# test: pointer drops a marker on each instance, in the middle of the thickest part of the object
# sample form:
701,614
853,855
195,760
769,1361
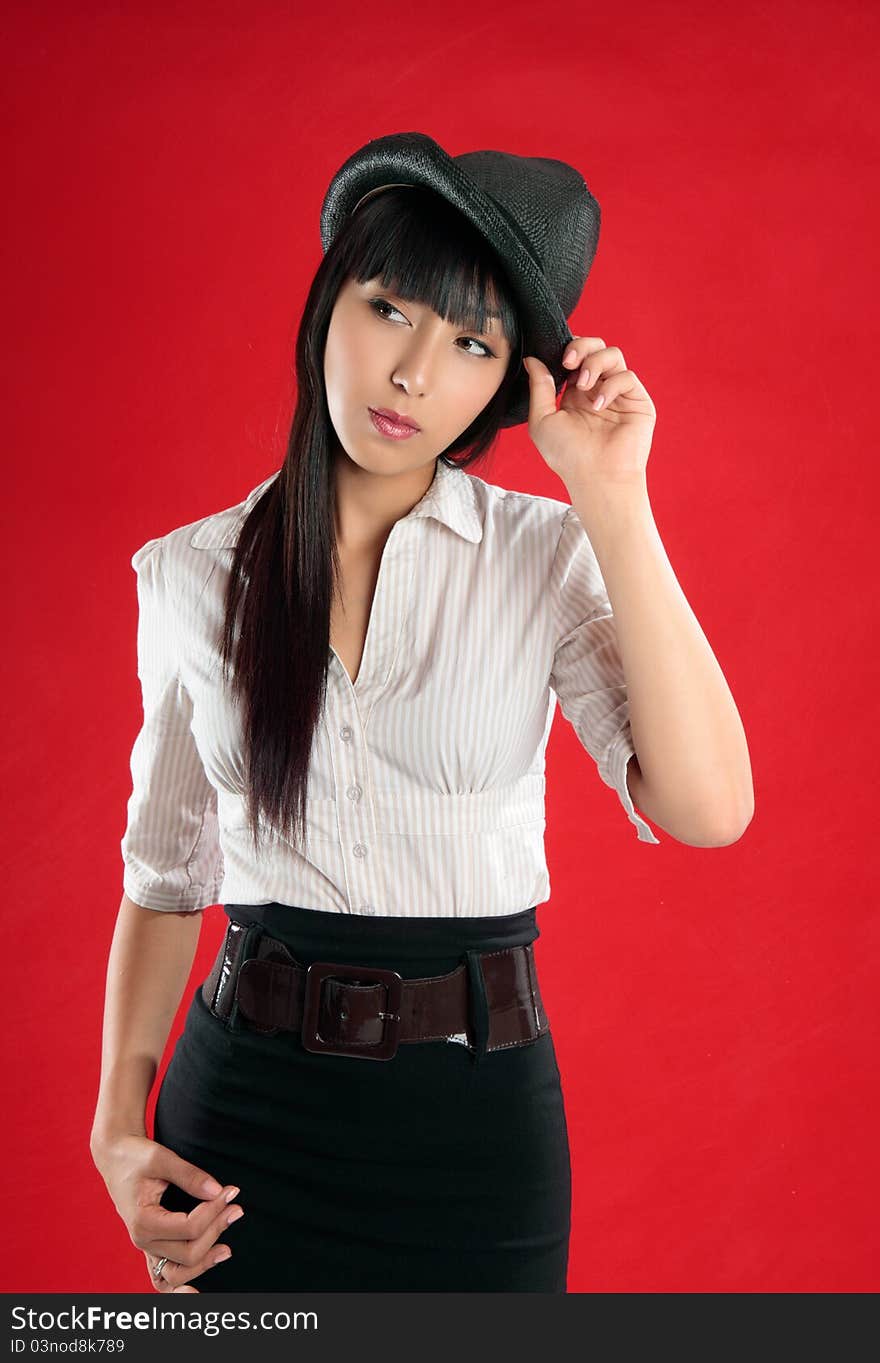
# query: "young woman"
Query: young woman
349,680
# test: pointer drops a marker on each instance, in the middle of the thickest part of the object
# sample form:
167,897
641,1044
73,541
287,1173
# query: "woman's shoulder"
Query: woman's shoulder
512,512
181,552
217,530
220,529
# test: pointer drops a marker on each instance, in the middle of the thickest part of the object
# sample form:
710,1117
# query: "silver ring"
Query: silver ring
157,1271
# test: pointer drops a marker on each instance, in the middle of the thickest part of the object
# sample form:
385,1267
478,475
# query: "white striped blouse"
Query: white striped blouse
426,785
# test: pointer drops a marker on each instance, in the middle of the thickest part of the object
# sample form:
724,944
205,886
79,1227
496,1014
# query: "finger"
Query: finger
175,1275
607,361
542,389
153,1222
626,384
192,1249
174,1169
580,346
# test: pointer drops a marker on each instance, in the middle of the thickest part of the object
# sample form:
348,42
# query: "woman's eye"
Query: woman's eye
377,303
472,340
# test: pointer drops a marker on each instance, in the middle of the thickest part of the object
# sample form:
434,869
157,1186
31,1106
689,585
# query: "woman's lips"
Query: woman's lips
390,428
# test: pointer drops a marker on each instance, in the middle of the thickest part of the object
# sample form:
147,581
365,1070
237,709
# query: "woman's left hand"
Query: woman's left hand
584,443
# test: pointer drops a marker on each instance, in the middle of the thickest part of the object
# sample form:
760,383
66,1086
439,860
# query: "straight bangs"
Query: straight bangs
423,250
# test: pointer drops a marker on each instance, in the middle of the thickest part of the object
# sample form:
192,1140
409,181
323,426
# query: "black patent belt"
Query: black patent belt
489,1002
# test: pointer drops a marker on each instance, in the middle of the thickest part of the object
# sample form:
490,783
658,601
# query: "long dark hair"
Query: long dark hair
286,564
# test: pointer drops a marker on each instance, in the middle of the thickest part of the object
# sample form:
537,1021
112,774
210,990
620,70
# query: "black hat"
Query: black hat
536,212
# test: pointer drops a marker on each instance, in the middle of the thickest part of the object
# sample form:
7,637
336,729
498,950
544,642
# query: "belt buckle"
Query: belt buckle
322,970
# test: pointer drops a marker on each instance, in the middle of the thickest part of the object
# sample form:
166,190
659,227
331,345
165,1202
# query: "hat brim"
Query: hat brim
416,159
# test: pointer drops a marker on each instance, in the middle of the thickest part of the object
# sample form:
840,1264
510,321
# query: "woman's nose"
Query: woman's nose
415,370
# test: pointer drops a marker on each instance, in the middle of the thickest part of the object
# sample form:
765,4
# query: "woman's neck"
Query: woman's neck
368,505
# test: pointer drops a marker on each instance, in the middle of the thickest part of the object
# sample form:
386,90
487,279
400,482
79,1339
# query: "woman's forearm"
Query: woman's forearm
150,960
694,771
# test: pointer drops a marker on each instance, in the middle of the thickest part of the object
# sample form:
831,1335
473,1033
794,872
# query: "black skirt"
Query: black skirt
439,1170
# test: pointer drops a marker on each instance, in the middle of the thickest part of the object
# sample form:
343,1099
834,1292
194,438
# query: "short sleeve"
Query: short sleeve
170,849
587,674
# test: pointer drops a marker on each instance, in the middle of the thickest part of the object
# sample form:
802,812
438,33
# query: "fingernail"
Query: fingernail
599,400
233,1192
234,1215
222,1254
570,356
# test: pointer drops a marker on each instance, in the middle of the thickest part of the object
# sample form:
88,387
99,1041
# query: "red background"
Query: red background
715,1010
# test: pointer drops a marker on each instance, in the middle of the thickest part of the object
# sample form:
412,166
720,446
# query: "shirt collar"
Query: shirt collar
451,498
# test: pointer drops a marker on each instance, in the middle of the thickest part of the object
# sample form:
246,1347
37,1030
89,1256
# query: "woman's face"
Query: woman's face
385,352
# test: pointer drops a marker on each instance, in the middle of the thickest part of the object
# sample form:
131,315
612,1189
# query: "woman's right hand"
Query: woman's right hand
136,1172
